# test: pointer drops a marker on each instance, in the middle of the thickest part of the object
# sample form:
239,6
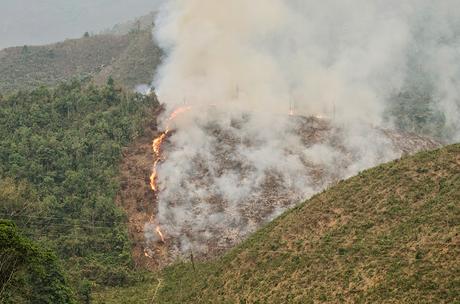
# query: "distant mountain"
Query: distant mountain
130,58
141,23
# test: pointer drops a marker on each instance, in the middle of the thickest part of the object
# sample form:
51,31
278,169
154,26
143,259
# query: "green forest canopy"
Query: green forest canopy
59,155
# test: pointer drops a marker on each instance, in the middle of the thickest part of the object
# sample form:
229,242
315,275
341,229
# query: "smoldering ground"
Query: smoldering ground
237,158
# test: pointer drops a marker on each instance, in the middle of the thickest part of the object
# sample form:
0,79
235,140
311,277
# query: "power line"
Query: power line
73,223
55,218
56,225
66,225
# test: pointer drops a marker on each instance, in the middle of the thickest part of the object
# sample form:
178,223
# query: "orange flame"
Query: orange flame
158,230
153,177
156,147
178,111
146,253
158,142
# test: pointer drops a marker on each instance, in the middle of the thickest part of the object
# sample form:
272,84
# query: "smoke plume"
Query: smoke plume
356,68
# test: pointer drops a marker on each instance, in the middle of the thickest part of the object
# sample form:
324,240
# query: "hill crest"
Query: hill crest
390,233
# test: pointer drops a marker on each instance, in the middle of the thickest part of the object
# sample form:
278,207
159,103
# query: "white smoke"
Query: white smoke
143,89
243,65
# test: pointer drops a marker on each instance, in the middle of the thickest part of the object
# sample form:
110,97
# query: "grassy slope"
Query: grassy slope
390,234
144,292
131,59
136,64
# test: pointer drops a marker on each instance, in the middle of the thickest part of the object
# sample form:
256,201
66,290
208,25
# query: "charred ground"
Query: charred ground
141,203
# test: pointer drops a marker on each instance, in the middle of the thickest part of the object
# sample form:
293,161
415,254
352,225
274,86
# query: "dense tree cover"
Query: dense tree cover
59,156
29,273
415,106
415,111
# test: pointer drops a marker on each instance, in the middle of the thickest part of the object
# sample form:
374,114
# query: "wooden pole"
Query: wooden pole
192,260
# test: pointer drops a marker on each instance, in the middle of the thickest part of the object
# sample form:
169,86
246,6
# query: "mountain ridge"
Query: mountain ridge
131,59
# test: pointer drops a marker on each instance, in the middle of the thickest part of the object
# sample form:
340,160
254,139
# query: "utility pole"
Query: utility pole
192,260
237,92
291,105
333,111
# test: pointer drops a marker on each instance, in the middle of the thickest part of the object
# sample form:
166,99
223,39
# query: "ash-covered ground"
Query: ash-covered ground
222,178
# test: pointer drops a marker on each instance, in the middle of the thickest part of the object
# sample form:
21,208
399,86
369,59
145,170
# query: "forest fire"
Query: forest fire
177,112
147,253
156,147
158,230
158,142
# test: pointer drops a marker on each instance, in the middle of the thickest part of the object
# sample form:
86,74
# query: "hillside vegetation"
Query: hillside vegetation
130,59
28,272
141,23
59,156
390,234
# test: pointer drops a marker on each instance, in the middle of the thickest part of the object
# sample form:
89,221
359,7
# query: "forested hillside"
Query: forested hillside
28,272
390,234
130,59
59,175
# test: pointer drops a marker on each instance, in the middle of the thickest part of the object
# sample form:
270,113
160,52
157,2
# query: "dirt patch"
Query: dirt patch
136,197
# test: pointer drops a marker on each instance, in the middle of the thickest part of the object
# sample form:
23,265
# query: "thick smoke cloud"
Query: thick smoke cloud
351,56
244,65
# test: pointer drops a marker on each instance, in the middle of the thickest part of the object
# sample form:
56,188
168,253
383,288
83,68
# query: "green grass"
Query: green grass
390,234
143,292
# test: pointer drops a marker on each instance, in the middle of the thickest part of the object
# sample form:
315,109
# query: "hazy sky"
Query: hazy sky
44,21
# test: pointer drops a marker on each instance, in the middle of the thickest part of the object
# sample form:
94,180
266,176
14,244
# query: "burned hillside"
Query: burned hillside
223,194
